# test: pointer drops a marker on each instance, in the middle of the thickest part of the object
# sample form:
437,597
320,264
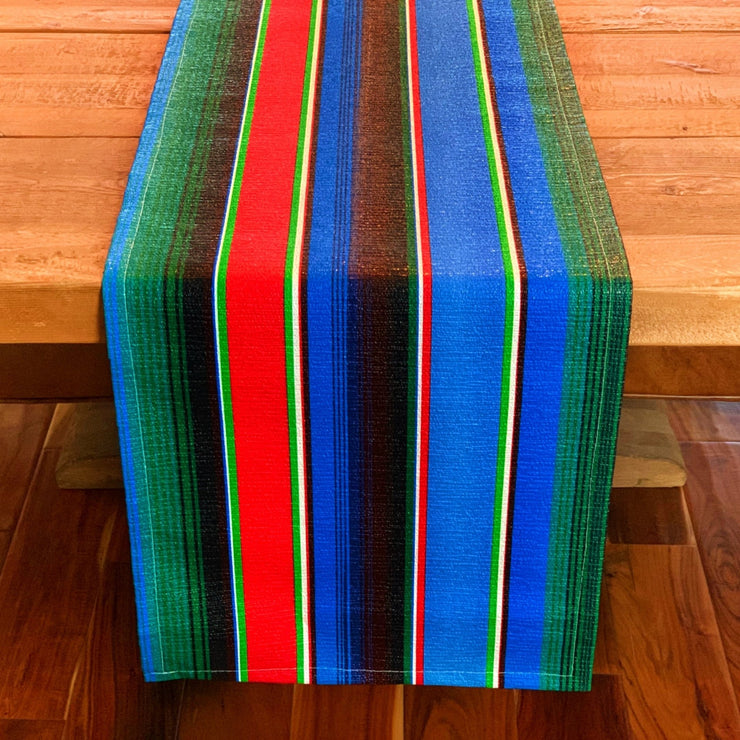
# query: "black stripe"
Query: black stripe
201,228
379,266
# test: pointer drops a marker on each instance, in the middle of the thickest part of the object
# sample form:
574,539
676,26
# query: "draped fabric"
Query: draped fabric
367,312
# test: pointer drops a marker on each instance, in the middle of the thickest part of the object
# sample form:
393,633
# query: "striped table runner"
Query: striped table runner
367,312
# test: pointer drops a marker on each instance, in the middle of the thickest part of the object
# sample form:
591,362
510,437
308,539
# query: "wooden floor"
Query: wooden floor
668,654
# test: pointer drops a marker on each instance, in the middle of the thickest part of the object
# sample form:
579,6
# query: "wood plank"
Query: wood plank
647,451
636,16
714,502
435,711
237,710
86,15
62,198
24,729
648,454
371,712
22,432
54,372
90,457
109,697
99,84
662,122
125,54
51,265
685,90
683,371
600,713
661,635
666,186
71,84
649,516
705,421
679,54
74,104
48,589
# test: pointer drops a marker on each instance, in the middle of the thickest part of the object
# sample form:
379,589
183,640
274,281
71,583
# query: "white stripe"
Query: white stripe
297,359
220,352
517,297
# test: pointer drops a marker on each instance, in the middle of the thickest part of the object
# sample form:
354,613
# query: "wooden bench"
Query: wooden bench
660,87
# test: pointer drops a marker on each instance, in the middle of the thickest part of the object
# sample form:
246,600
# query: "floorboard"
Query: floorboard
705,421
432,712
109,697
337,712
29,729
48,588
237,710
22,432
713,493
662,637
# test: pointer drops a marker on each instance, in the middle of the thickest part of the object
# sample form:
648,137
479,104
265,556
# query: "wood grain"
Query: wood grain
124,54
637,17
90,457
649,516
87,15
54,372
648,455
439,712
237,710
661,123
24,729
683,371
54,85
682,55
705,421
714,500
22,432
72,84
338,712
109,697
661,635
51,264
599,713
48,588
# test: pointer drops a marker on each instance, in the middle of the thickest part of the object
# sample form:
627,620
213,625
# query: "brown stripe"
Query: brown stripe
379,270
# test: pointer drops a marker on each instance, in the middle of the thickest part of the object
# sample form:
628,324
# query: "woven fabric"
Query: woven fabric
367,313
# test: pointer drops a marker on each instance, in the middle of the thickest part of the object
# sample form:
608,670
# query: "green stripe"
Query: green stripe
290,350
176,568
504,441
222,345
598,275
174,297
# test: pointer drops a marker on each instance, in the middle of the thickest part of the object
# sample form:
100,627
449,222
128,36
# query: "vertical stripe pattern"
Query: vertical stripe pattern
367,312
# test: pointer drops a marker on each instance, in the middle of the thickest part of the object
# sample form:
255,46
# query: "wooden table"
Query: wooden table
660,86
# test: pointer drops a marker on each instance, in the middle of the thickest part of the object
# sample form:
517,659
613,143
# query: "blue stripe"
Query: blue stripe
113,298
327,301
467,336
547,314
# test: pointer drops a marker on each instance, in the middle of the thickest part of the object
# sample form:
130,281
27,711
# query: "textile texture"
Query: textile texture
367,311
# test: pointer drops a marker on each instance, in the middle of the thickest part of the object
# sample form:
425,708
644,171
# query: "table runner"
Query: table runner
367,312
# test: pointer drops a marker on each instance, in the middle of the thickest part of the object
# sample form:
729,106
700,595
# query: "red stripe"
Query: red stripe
425,270
256,329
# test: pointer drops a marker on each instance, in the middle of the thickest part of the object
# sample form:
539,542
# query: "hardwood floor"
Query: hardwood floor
667,659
